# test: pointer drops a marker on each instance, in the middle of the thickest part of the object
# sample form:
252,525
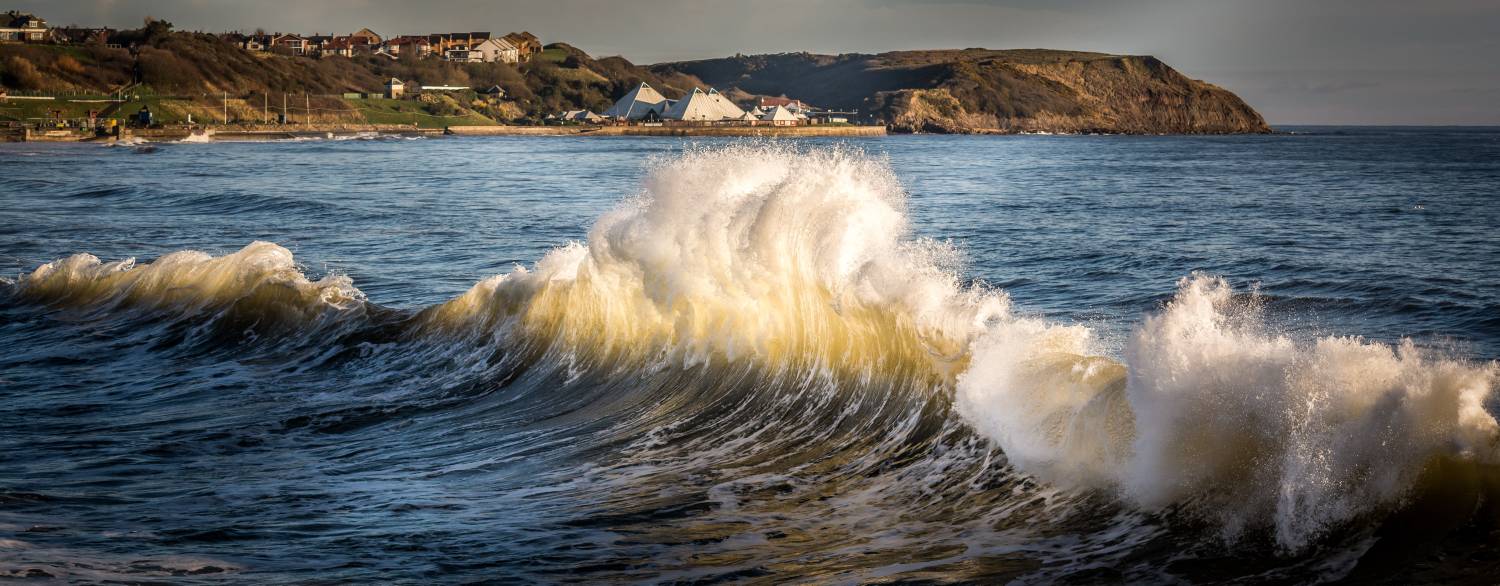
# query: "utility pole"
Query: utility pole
283,107
226,108
306,109
265,108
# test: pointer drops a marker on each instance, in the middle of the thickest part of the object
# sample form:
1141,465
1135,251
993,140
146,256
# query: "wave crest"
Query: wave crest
758,251
260,279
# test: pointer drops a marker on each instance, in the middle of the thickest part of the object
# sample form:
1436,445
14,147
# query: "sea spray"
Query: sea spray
1219,415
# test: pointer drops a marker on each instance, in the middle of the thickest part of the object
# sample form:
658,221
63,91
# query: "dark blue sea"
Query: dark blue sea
914,359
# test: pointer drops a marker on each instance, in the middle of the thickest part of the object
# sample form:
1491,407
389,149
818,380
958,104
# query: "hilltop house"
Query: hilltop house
409,46
22,27
314,44
296,44
442,42
258,42
337,46
365,41
73,35
526,44
497,50
462,54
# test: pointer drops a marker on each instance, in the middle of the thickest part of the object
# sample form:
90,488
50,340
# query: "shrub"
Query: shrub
68,64
21,74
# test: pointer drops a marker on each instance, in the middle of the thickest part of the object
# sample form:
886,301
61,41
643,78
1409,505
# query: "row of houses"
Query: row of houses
468,47
646,105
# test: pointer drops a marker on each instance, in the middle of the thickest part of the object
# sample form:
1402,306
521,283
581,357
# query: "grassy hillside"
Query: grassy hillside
186,69
983,90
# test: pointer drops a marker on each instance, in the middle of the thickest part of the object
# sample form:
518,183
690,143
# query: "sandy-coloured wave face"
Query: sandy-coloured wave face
763,253
803,261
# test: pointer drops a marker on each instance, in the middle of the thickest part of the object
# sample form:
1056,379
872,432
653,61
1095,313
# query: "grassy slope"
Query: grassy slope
189,73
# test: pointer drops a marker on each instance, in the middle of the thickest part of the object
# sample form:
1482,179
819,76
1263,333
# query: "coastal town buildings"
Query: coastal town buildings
465,47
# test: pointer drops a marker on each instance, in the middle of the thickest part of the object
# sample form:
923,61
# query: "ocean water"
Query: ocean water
914,358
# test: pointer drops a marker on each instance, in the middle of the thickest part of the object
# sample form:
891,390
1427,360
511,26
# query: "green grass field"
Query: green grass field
554,55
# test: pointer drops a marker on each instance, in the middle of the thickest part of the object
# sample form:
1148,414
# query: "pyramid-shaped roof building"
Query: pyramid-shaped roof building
638,104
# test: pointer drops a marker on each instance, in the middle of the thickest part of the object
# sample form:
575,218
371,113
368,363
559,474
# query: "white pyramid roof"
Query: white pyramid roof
778,113
696,106
637,104
729,110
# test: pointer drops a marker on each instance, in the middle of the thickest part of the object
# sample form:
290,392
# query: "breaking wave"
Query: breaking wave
795,273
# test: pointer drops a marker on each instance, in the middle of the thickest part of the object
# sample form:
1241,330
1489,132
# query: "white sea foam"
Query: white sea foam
1220,414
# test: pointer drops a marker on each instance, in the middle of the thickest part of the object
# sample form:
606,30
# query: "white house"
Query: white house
498,50
780,116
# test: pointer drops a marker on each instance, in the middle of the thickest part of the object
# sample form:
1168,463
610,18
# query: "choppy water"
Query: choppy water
911,358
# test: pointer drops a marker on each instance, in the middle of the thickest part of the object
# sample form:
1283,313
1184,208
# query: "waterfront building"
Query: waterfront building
641,103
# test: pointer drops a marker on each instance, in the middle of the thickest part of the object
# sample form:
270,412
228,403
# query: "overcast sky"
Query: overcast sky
1296,61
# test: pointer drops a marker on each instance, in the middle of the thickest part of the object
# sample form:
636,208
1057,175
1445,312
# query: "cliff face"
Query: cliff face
985,91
